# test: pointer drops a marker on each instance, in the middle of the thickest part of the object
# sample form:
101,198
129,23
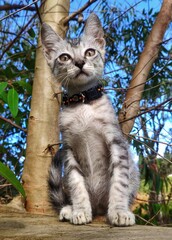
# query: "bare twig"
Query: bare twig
37,10
137,85
143,143
156,74
23,8
15,34
144,220
148,110
153,140
8,7
128,9
5,185
153,217
13,124
15,39
162,109
152,201
73,15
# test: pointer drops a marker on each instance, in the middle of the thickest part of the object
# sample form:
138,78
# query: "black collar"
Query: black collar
85,96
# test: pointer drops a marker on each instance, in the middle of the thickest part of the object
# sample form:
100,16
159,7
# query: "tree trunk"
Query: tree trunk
131,104
43,120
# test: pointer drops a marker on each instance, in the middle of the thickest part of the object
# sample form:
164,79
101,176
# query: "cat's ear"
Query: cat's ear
93,28
50,40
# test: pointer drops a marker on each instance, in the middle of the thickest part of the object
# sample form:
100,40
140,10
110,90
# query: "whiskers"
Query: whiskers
66,77
98,76
65,81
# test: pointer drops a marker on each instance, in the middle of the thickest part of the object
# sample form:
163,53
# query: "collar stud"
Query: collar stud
85,96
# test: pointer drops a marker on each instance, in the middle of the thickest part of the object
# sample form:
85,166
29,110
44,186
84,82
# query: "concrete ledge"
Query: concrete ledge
24,226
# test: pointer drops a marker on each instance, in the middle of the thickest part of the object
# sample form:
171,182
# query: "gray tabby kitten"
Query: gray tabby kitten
93,173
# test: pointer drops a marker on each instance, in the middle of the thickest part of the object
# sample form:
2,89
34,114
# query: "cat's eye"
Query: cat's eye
64,57
90,52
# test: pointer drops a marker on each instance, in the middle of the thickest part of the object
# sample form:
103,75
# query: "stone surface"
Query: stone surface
25,226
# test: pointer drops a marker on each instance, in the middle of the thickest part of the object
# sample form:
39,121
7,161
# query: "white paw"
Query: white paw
121,218
81,217
66,213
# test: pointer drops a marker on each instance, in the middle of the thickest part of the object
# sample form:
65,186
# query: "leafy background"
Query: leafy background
127,26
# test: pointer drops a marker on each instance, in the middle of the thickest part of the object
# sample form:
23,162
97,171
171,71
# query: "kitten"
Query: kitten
93,173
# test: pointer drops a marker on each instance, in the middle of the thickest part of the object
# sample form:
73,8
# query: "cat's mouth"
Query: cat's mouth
82,73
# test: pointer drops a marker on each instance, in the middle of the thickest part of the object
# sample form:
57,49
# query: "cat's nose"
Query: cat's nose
79,64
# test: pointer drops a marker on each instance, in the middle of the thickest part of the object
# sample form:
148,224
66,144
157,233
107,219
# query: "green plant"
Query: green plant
10,176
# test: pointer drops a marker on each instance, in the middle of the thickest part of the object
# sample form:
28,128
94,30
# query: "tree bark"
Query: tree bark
131,104
43,120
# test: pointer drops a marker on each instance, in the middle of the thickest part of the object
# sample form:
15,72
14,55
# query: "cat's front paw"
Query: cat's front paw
81,217
121,218
66,213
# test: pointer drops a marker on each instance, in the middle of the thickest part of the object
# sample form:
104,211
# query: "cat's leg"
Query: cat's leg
81,206
118,208
134,182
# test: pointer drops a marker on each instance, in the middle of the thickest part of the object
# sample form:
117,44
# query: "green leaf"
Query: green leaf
8,72
13,99
3,85
26,86
10,176
31,32
3,96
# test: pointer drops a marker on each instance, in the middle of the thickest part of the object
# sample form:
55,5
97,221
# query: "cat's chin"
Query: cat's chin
84,79
81,83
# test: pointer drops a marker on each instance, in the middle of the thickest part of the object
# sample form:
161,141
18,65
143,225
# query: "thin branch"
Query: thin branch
153,140
5,185
144,220
149,79
118,69
18,35
37,10
15,34
152,201
12,123
8,7
164,110
148,110
23,8
156,74
128,9
130,136
73,15
153,216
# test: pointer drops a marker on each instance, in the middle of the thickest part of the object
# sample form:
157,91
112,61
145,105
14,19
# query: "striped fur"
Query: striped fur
94,172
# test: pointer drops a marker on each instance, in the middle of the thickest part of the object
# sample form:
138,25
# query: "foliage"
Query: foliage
126,29
157,186
16,74
11,177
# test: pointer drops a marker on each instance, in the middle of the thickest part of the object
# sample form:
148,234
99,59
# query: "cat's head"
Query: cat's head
76,63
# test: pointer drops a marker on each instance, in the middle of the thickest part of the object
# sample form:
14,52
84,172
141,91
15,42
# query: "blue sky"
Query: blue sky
147,4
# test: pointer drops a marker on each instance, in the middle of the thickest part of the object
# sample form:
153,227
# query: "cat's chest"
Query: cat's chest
77,119
87,121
